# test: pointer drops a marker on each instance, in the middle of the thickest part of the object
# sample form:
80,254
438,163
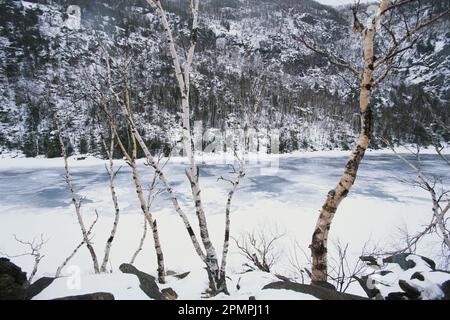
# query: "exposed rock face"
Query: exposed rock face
147,282
13,281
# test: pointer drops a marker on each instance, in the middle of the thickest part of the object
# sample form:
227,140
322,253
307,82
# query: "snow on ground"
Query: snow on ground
279,194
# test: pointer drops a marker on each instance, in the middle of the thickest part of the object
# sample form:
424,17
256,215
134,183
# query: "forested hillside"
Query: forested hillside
249,63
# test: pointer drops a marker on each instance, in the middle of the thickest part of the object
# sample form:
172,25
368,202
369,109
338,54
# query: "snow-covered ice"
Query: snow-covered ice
34,201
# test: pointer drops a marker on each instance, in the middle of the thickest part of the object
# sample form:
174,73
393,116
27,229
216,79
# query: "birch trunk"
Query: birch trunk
144,205
76,203
192,172
222,278
319,243
112,176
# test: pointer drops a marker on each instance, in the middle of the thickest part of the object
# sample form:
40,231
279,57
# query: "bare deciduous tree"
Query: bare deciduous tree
35,248
440,206
66,261
374,70
112,173
76,201
216,275
342,271
152,194
259,248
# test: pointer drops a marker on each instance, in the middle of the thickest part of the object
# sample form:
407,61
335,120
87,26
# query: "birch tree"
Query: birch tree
77,202
112,173
216,272
123,100
440,205
374,69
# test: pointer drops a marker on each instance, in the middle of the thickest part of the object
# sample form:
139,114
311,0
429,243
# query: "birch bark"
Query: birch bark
319,243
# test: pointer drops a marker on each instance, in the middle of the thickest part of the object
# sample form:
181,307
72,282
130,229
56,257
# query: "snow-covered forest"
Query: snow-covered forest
212,149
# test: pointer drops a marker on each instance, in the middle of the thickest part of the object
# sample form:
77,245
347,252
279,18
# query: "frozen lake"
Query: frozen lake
302,181
280,195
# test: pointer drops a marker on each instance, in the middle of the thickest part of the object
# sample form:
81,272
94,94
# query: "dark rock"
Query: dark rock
90,296
430,262
9,289
319,292
363,282
372,261
9,268
417,275
36,287
252,298
147,282
282,278
411,292
396,296
445,287
169,293
13,281
325,285
401,260
182,275
170,273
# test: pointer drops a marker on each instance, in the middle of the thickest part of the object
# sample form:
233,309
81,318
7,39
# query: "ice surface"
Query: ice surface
34,200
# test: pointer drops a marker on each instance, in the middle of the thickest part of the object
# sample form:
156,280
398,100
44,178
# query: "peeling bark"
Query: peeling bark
319,243
183,79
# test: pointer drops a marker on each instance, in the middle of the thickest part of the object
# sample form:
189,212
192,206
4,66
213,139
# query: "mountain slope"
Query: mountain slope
51,59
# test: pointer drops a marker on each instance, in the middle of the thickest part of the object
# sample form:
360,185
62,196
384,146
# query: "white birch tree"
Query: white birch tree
375,68
216,271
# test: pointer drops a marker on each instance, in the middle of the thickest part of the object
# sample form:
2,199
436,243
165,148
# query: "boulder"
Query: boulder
410,291
36,287
182,275
445,287
147,282
405,276
319,292
90,296
9,268
169,294
401,260
371,291
10,289
13,281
